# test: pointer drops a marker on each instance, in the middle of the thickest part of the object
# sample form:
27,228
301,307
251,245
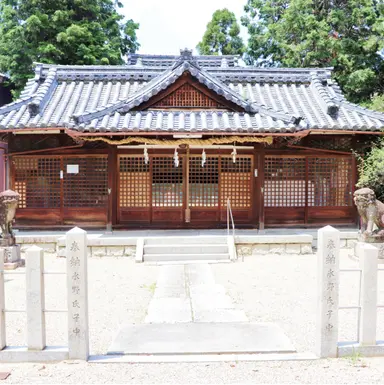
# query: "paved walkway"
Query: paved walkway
191,314
188,293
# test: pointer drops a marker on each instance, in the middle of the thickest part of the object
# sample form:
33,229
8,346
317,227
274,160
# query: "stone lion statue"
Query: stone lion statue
370,210
8,203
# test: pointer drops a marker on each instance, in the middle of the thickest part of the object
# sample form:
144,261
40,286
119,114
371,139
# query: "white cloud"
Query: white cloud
166,26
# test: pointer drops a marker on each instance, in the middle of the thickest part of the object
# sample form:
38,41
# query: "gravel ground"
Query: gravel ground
340,371
282,289
119,292
276,288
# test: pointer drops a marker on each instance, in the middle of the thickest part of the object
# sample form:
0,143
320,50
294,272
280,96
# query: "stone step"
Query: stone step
201,338
196,240
186,249
185,257
188,262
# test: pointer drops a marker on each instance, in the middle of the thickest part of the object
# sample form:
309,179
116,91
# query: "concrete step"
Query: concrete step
201,338
188,262
196,240
186,249
185,257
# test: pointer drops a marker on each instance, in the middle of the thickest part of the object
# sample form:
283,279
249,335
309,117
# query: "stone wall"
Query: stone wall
105,251
245,250
272,244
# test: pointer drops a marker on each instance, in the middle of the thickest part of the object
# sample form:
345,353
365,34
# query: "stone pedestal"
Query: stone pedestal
12,258
374,240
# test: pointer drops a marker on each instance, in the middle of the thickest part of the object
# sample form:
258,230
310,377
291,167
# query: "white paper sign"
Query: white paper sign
72,168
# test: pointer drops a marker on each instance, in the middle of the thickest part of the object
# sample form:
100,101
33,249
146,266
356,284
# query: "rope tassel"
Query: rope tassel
176,158
234,154
146,156
203,158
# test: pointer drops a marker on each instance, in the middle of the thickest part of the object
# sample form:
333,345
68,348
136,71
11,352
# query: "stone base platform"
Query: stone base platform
12,257
248,242
274,244
201,338
380,246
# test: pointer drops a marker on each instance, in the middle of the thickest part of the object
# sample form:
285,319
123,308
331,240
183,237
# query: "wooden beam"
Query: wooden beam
321,150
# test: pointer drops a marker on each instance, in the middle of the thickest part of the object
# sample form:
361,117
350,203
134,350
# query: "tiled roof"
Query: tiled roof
169,60
104,98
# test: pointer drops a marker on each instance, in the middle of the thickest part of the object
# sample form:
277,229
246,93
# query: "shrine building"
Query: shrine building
172,141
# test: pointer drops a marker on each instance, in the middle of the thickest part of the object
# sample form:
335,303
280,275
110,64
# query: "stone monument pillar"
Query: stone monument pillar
8,204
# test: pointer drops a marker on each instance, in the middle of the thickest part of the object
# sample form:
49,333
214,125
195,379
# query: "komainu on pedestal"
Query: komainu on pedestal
371,212
8,203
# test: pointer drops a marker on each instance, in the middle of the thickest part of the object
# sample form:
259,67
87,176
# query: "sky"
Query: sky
166,26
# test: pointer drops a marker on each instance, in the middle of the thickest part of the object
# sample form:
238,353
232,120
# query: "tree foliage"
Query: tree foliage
222,36
371,169
345,34
62,32
376,103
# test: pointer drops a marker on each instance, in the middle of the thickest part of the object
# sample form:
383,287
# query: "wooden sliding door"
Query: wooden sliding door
61,190
160,193
308,190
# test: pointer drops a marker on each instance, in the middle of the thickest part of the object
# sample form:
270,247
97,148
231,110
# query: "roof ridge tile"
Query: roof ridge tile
39,100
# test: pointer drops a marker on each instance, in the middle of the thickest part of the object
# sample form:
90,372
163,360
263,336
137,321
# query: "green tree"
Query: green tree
345,34
222,36
371,168
62,32
376,103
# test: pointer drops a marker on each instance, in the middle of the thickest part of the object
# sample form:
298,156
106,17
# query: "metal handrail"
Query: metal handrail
230,215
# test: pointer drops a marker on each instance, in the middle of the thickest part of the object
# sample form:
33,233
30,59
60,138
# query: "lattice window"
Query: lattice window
167,182
236,181
284,184
203,182
330,182
134,182
88,187
37,180
187,96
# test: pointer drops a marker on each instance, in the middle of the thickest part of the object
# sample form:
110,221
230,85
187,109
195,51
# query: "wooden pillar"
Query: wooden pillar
355,177
2,301
61,190
256,188
261,188
306,190
3,172
187,209
112,187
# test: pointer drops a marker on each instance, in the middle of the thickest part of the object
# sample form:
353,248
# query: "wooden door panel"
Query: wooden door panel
85,190
167,189
204,189
86,216
167,215
204,215
133,190
237,186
